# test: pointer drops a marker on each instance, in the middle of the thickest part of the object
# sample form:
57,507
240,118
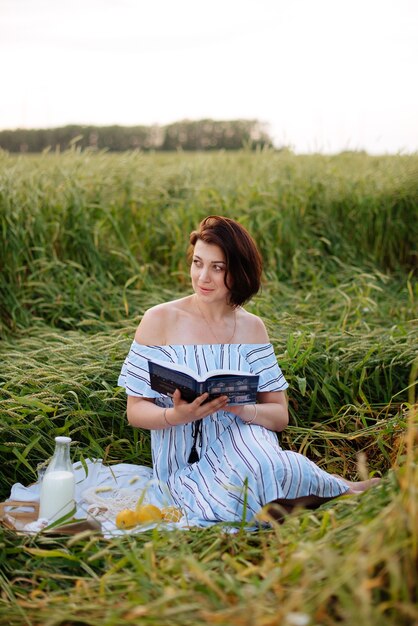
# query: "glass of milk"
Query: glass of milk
58,484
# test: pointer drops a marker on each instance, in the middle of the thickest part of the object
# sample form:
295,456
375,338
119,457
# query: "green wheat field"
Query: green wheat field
88,241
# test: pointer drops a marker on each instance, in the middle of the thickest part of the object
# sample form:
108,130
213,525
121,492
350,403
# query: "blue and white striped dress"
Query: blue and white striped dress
241,467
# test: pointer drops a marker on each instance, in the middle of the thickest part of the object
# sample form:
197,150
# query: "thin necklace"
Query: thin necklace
210,327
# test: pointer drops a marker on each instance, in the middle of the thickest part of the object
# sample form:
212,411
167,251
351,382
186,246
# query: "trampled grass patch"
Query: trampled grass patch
88,241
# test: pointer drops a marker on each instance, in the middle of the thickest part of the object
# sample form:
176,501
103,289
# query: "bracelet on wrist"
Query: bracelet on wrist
253,418
167,423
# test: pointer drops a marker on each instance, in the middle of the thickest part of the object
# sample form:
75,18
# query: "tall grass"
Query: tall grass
87,243
77,226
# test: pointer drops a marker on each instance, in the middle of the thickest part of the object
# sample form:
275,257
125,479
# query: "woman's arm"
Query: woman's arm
271,408
270,411
144,413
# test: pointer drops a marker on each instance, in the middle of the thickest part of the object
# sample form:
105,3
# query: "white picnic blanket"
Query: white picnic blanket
102,491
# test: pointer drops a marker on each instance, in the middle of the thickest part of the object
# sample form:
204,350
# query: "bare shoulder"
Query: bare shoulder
251,328
154,323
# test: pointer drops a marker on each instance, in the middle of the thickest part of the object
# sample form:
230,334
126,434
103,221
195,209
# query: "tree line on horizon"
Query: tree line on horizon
187,135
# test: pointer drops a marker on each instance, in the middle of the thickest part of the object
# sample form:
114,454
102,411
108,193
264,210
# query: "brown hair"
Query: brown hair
243,260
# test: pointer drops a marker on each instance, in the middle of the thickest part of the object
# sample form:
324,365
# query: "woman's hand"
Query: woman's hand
270,411
144,413
183,412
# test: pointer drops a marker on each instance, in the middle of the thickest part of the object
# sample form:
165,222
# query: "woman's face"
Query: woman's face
208,272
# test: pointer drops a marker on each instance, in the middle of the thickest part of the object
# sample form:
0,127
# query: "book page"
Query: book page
241,389
176,367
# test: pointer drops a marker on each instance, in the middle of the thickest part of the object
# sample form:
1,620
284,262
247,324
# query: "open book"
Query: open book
165,377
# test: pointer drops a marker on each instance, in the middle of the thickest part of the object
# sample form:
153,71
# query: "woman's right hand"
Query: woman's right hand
183,412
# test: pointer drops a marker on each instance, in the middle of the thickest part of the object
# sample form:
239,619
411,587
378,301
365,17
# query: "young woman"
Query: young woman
220,462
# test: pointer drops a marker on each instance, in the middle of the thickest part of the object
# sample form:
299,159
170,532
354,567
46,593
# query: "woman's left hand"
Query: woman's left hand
270,411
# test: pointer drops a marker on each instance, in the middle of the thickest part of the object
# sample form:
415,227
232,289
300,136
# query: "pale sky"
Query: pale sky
325,75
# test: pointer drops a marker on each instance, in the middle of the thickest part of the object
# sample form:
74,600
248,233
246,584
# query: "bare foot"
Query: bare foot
361,485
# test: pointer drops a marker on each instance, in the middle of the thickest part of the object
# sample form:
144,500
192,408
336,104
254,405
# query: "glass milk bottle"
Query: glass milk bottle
58,483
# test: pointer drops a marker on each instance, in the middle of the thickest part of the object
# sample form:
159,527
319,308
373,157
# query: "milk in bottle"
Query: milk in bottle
58,484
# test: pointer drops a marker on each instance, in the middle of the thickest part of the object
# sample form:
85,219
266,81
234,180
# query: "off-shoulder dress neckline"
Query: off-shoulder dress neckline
199,345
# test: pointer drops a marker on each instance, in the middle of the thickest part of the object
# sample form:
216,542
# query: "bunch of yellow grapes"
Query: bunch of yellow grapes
145,514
